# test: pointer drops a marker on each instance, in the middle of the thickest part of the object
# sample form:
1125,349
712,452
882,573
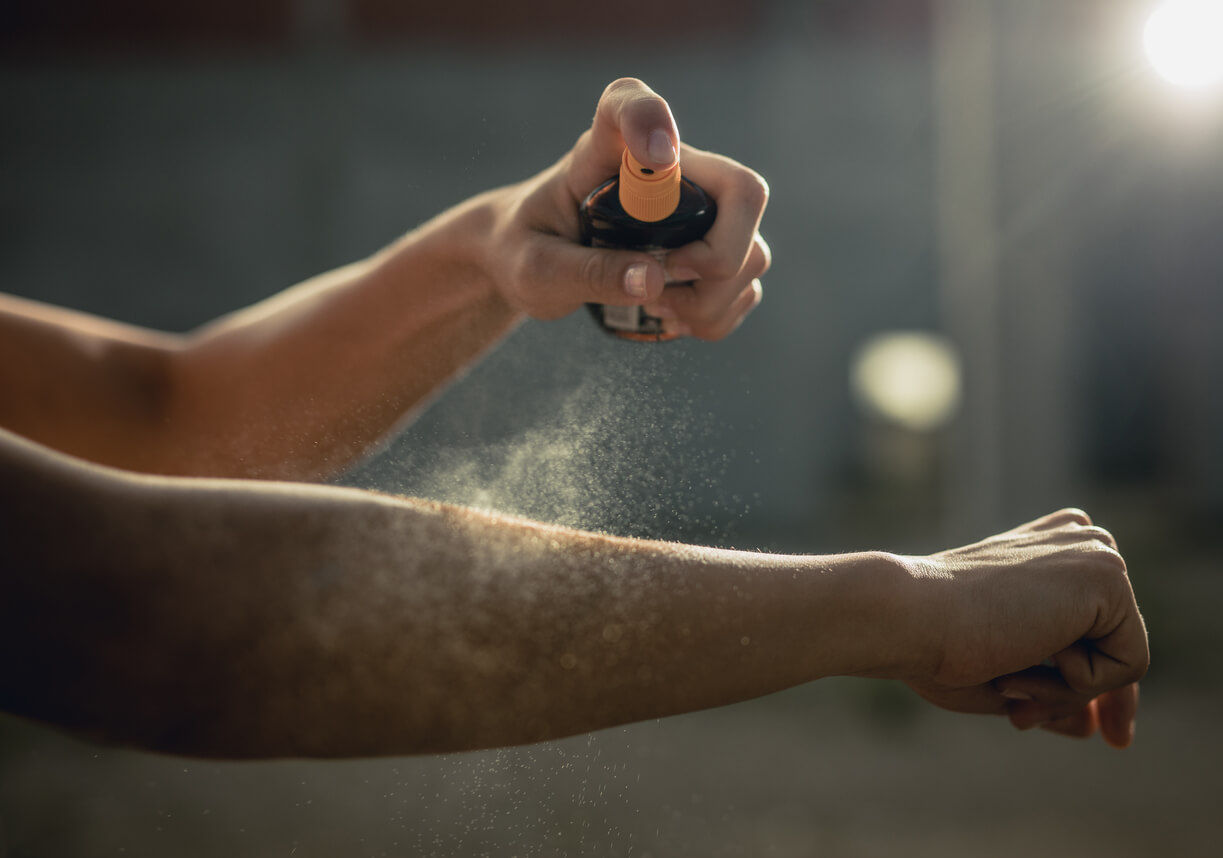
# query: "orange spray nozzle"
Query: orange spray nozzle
645,193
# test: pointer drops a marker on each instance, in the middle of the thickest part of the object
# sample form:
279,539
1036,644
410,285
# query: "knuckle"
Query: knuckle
1072,515
1101,541
764,253
534,263
594,271
533,269
720,268
1115,562
1105,573
705,312
754,188
756,266
1100,534
1106,557
721,325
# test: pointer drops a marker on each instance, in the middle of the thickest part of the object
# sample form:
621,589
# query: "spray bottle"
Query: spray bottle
649,210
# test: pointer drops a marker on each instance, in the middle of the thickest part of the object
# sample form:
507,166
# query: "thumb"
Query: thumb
629,114
564,275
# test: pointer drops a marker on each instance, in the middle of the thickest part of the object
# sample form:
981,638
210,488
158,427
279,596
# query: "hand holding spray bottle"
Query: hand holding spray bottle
648,210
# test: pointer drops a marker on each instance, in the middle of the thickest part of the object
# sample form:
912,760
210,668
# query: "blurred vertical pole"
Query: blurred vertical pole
1048,161
965,177
322,45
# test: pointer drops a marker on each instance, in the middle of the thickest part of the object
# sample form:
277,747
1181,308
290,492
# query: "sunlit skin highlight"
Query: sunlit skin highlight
254,619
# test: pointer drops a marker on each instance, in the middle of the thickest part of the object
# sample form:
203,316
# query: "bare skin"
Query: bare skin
254,619
306,382
1062,691
150,597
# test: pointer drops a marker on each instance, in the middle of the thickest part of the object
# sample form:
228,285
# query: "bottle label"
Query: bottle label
630,319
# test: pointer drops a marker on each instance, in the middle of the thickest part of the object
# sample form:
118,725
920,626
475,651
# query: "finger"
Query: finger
629,114
1026,715
1081,725
1098,533
1061,518
759,260
1041,683
733,316
1075,533
712,329
1118,710
1039,696
1113,653
1081,672
705,304
742,196
564,275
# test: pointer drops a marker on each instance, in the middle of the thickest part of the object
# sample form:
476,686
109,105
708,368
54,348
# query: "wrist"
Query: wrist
888,634
452,251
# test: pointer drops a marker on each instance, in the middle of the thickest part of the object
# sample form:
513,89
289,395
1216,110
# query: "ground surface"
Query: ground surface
844,768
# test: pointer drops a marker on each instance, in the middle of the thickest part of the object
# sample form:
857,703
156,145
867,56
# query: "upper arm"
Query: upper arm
216,617
132,608
53,517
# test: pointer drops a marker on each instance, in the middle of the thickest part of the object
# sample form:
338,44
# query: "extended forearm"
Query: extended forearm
304,383
294,387
246,619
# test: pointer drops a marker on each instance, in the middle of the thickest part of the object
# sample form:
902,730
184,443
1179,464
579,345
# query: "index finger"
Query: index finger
629,114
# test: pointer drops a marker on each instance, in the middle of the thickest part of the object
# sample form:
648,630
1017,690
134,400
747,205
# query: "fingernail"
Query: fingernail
1015,694
678,329
683,275
660,311
634,279
661,150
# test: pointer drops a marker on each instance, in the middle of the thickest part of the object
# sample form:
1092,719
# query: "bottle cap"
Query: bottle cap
645,193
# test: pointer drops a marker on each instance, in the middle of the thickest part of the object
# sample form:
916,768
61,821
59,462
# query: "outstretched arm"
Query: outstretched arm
239,619
302,384
295,387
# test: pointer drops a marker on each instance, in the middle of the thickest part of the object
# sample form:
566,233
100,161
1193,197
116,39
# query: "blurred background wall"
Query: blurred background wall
1011,181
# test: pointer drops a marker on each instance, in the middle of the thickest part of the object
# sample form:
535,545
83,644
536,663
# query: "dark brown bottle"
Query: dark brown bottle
647,210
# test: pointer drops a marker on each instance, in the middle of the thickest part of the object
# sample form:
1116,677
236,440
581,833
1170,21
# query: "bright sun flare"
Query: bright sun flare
1184,40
